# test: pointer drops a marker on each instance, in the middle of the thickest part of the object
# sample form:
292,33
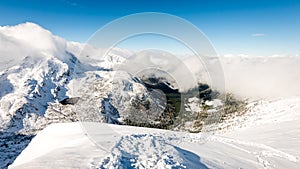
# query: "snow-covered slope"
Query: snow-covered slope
35,70
36,73
269,138
47,71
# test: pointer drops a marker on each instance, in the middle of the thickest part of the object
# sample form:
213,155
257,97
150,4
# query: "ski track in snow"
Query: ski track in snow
260,151
276,112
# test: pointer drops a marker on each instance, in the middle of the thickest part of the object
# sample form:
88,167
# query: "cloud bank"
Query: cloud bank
254,77
262,77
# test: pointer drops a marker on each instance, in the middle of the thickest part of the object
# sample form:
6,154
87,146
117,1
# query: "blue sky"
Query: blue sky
254,27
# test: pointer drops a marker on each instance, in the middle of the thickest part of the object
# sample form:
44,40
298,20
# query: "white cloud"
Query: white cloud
27,39
258,34
262,77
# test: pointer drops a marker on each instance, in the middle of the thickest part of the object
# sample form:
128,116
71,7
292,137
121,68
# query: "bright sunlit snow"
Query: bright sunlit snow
268,138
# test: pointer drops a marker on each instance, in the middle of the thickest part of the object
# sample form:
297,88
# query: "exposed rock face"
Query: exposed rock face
71,101
11,145
110,113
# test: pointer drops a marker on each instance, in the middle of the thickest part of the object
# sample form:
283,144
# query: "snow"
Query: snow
193,105
70,147
36,69
57,141
36,73
105,58
39,73
268,138
145,151
32,85
214,103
